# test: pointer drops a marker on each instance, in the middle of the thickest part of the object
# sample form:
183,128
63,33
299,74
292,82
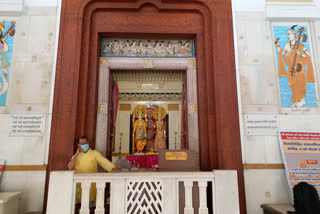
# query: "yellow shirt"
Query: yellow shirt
88,163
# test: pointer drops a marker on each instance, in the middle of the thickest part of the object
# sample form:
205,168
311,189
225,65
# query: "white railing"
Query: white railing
146,192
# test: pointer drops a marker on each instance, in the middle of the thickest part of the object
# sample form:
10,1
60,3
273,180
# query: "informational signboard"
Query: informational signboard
27,124
301,156
262,125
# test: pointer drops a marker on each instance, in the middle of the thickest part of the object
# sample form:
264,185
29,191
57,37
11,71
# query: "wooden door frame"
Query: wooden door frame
209,22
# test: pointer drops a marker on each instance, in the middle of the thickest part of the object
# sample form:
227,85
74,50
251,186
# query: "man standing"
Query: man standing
86,160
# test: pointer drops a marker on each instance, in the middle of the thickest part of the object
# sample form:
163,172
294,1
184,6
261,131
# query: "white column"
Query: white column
102,117
203,208
85,195
188,207
192,108
100,198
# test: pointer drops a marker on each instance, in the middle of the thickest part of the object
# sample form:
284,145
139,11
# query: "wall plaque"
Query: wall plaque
176,156
261,124
27,124
178,160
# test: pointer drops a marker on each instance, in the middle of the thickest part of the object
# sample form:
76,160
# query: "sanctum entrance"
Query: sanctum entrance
168,84
79,99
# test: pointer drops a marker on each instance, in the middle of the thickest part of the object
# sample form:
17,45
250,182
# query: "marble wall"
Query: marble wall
30,87
259,94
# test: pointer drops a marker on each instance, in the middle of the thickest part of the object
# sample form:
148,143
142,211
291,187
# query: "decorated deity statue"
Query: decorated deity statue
160,139
139,128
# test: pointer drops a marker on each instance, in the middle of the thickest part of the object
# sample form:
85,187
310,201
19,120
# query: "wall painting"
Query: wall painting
7,31
296,71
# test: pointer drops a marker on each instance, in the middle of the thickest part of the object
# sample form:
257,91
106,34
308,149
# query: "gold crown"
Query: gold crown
139,110
160,111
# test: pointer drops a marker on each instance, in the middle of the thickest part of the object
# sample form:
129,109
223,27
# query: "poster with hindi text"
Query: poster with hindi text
301,156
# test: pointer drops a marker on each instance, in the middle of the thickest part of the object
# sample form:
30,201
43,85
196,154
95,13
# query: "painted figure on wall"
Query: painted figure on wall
139,128
295,68
7,32
160,131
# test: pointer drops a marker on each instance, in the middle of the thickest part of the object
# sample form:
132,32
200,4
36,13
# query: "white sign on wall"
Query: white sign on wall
262,125
27,124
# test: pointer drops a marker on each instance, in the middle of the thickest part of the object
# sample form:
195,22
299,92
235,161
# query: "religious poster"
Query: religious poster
295,66
301,156
2,162
7,31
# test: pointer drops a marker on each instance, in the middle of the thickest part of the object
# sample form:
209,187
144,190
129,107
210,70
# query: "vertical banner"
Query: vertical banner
301,156
2,162
7,31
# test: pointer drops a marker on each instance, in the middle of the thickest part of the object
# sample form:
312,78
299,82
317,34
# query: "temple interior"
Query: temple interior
149,108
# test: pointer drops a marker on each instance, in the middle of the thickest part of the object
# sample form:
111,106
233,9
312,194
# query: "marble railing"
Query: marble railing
147,192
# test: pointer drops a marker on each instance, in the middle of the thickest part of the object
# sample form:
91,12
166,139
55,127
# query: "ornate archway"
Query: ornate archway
209,22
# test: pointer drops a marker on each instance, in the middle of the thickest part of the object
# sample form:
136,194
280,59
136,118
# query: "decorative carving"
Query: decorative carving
150,96
125,107
147,48
148,76
101,108
144,197
103,61
173,107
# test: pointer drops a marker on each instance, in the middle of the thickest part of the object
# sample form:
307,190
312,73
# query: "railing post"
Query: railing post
61,193
188,209
203,208
85,195
100,198
118,196
170,195
225,192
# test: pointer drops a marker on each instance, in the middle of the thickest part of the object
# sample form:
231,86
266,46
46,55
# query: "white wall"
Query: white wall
259,94
30,91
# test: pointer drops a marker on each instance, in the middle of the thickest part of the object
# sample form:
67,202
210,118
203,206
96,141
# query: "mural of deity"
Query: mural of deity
147,48
160,131
7,32
295,68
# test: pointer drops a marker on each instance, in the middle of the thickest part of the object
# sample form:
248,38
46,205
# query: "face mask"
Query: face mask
85,147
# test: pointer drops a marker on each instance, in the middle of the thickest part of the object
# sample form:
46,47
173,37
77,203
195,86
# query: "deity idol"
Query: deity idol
160,140
139,128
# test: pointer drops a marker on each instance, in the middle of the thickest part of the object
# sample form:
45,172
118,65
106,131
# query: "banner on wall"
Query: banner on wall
2,163
301,156
7,31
